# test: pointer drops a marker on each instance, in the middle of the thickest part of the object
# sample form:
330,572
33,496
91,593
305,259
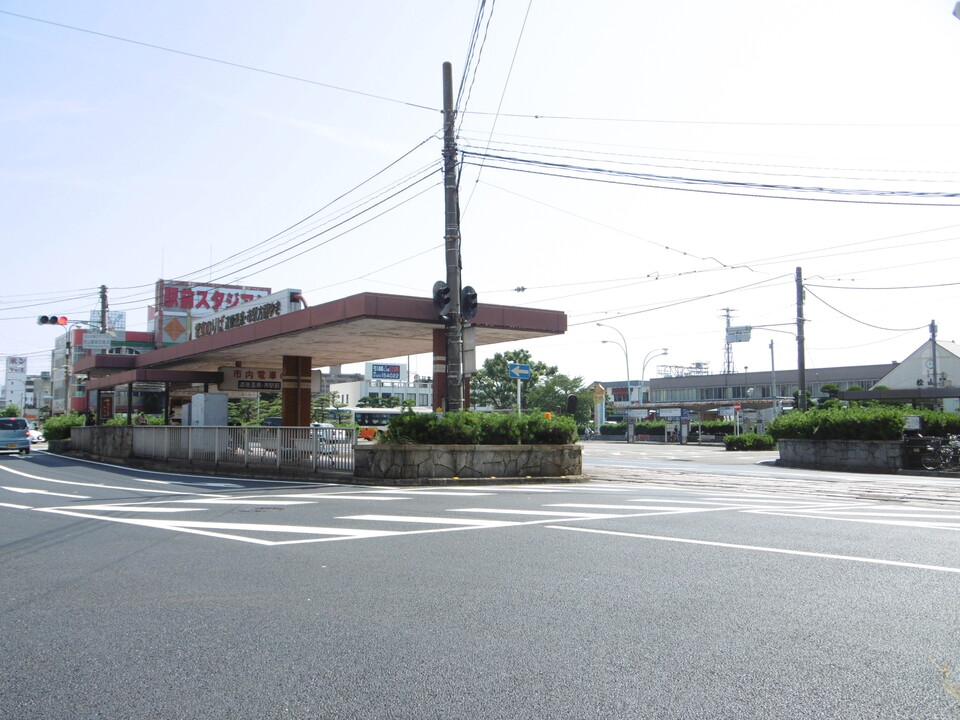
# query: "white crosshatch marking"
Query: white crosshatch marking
633,502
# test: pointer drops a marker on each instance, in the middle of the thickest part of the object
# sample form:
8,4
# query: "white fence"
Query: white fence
281,447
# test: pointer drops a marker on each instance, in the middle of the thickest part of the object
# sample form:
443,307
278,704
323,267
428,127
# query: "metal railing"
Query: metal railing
304,448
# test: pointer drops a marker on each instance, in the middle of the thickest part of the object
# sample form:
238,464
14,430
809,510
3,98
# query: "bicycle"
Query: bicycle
942,453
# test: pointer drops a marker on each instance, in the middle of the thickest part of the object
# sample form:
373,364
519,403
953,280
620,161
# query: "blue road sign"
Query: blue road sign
518,371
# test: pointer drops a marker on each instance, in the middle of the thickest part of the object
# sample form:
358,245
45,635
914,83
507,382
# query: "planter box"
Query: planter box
849,455
412,463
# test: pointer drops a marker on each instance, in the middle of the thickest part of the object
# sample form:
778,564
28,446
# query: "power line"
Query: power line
702,185
228,63
861,322
685,301
735,123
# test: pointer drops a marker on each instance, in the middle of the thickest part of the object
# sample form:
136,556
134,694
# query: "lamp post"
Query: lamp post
643,372
614,342
626,358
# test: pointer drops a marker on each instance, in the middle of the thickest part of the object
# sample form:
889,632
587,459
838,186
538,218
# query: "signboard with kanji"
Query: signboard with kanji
251,379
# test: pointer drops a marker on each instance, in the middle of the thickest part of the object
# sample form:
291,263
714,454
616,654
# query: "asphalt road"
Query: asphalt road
128,594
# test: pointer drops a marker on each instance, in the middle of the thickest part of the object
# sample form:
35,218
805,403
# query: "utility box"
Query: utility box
208,410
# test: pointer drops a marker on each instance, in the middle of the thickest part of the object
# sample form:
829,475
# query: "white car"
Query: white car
35,436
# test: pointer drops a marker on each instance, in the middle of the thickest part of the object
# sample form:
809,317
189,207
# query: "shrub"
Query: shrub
474,428
58,426
852,423
613,429
937,423
749,441
716,427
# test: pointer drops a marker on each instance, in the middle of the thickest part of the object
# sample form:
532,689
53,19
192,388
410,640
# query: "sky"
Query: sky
650,166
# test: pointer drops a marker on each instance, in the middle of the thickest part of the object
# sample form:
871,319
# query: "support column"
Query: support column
440,369
295,391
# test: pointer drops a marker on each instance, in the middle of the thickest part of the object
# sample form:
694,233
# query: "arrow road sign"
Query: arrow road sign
518,371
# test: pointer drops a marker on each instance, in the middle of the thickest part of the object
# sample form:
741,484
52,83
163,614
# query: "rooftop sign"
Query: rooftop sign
259,309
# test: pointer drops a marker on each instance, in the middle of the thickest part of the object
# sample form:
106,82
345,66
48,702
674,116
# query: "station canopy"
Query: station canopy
359,328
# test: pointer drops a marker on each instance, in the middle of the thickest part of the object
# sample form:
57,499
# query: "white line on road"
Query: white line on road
16,507
44,492
429,520
95,484
904,523
442,493
231,501
132,508
540,513
759,548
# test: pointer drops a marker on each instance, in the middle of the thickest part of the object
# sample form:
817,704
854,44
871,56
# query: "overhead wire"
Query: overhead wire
861,322
684,301
207,58
571,171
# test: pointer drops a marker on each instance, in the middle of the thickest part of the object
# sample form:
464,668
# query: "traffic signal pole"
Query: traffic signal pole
452,245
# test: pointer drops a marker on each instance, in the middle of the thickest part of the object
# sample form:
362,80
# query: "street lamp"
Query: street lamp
626,357
643,372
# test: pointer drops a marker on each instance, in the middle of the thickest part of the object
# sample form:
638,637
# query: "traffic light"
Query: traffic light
441,299
51,320
468,303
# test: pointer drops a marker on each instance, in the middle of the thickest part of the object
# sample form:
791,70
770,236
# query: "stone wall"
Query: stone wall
848,455
416,463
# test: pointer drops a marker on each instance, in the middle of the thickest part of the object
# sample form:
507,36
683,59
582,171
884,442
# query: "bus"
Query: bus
371,419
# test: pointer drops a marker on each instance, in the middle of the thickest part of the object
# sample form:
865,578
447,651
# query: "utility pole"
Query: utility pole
801,359
452,244
103,308
933,343
728,348
773,383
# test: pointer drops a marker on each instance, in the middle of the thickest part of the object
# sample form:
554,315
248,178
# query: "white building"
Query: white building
386,380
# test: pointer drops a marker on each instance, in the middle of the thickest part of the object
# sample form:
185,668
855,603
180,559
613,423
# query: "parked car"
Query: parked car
35,436
330,437
14,435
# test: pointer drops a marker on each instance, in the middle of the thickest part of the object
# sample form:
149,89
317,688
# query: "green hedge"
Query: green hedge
749,441
475,428
852,423
939,424
658,427
58,426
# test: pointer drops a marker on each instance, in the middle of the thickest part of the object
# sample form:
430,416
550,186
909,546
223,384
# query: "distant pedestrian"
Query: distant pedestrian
141,418
89,419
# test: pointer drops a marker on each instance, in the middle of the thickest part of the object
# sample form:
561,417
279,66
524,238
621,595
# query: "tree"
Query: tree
242,411
551,396
492,385
11,410
830,389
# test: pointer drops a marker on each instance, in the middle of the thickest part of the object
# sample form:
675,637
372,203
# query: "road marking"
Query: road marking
340,496
429,520
94,484
902,523
215,529
442,493
44,492
659,508
231,501
759,548
117,507
540,513
16,507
